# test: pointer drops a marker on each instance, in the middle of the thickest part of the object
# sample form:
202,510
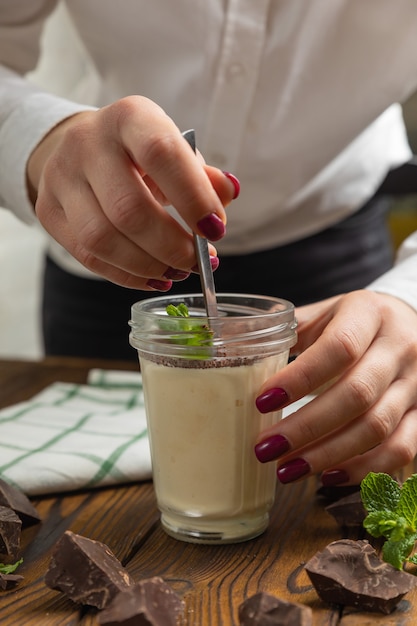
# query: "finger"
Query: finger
70,212
389,457
168,160
312,319
91,239
349,397
339,345
361,435
226,185
130,207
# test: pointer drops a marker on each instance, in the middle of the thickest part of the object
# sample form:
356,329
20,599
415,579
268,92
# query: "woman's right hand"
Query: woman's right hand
100,181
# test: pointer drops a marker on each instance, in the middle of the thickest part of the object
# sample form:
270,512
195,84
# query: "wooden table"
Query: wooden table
213,580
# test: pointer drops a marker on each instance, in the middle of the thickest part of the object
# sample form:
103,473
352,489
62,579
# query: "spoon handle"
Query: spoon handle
203,257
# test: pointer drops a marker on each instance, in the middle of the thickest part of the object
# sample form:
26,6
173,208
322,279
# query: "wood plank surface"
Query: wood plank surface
213,580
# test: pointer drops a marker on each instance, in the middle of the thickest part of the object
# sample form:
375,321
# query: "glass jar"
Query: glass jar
200,379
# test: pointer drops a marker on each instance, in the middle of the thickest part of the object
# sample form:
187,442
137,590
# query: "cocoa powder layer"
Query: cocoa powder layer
200,363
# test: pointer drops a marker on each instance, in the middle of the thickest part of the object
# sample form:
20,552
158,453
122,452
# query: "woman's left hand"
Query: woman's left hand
362,347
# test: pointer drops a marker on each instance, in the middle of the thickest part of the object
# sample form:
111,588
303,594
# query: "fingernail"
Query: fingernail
293,470
271,400
174,274
159,285
235,182
214,262
271,448
212,227
330,478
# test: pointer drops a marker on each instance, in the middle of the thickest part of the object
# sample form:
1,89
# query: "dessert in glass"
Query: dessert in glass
200,379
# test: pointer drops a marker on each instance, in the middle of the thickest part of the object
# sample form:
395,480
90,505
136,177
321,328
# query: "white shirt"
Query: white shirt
295,97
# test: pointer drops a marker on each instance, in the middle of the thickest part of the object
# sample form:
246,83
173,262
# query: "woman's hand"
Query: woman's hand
101,179
363,348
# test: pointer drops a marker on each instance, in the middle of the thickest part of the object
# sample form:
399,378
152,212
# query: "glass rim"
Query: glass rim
247,323
148,306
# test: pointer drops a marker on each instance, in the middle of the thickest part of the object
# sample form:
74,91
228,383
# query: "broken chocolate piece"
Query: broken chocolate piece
264,609
7,581
350,573
348,511
86,570
331,494
150,602
19,502
10,531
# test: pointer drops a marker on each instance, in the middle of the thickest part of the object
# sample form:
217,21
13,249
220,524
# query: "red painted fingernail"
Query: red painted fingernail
235,182
271,448
214,262
212,227
174,274
331,478
297,468
159,285
272,400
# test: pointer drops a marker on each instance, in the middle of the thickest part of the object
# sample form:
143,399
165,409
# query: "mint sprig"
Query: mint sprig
392,513
178,311
191,332
9,569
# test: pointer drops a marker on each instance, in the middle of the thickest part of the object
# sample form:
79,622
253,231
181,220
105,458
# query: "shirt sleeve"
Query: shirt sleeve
27,113
34,115
401,280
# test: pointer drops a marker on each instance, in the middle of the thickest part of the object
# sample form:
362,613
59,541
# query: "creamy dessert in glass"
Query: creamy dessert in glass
200,380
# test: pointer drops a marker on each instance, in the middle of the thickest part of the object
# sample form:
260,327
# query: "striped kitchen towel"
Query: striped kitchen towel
72,436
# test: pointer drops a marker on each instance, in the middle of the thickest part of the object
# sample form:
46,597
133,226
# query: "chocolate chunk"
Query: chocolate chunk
86,571
331,494
19,502
348,511
264,609
7,581
350,573
150,602
10,531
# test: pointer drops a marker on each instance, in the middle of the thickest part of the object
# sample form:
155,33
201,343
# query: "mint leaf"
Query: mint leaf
192,333
400,531
407,505
9,569
392,513
396,552
178,311
380,492
382,524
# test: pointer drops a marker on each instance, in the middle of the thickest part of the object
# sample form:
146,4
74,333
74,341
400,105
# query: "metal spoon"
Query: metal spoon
203,256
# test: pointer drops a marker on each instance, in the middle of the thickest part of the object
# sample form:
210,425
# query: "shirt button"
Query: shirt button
235,71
